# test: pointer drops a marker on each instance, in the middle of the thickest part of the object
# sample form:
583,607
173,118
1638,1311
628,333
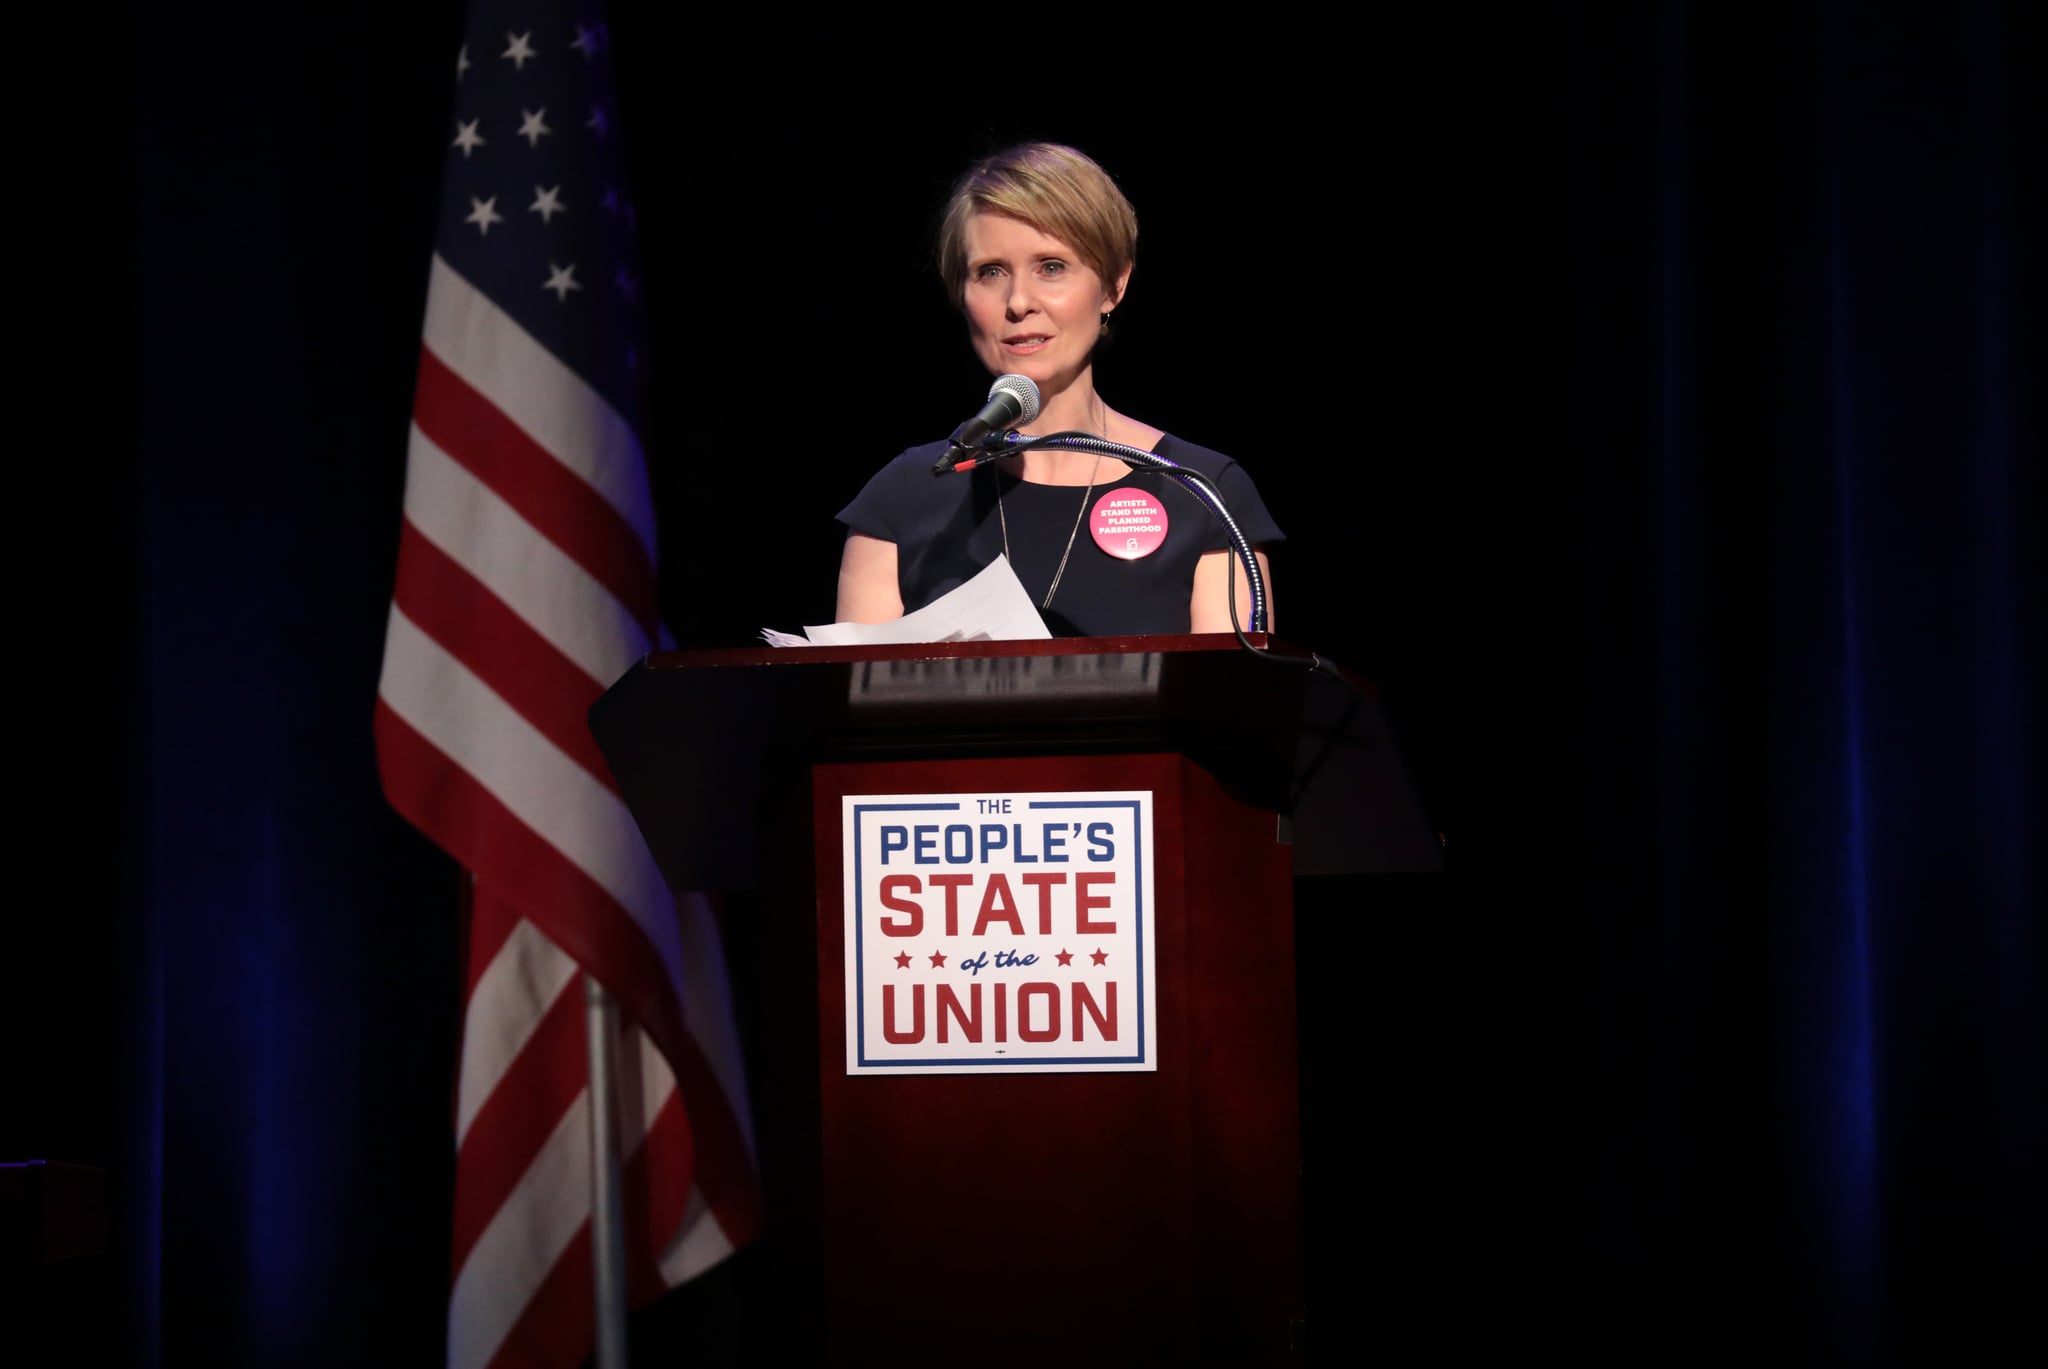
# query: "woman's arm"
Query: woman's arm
867,581
1209,611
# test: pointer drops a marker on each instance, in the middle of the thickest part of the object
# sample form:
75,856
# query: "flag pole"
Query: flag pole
607,1210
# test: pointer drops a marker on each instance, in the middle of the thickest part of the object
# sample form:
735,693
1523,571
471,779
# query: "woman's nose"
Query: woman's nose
1021,301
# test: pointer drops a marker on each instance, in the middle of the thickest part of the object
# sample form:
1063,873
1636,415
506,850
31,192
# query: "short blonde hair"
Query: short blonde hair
1055,189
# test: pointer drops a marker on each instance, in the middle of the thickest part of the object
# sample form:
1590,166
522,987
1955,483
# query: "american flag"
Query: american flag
525,586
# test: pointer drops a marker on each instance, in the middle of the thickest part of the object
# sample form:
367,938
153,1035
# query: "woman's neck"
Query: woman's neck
1075,408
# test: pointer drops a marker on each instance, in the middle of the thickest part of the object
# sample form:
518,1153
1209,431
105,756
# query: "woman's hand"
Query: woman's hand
867,582
1210,609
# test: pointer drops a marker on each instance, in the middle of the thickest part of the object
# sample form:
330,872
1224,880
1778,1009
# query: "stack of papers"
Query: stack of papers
992,607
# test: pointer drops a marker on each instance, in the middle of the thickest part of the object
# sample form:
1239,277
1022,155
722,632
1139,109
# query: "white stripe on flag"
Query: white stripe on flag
511,997
527,1234
698,1244
505,364
645,1084
540,582
442,700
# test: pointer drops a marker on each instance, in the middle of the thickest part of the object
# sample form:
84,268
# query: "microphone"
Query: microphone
1012,400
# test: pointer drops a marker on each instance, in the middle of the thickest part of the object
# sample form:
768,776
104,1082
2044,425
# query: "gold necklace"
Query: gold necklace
1079,514
1102,427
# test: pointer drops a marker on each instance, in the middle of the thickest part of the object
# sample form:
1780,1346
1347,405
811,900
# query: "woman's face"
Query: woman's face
1034,308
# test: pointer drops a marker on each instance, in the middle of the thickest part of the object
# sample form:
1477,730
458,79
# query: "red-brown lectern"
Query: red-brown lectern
1148,1217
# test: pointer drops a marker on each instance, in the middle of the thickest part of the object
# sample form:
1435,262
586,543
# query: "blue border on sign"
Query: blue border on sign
860,810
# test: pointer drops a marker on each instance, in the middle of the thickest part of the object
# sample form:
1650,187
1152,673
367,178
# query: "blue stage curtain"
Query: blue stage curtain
1730,617
1780,793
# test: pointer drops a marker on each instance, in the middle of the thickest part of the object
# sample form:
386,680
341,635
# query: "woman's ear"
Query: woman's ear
1116,296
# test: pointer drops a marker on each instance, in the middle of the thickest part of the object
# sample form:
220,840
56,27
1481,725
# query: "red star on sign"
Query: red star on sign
938,959
1100,957
1066,957
902,960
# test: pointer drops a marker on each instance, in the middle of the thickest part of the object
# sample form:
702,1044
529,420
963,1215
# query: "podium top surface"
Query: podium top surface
964,697
742,657
690,734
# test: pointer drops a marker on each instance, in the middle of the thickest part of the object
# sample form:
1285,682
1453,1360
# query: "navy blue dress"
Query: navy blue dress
946,528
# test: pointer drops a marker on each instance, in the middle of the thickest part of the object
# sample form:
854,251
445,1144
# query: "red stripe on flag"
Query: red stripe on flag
522,1111
573,910
654,1188
492,920
559,1323
724,1169
479,629
547,494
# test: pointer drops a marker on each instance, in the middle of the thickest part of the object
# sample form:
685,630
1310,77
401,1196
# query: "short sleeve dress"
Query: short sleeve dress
948,527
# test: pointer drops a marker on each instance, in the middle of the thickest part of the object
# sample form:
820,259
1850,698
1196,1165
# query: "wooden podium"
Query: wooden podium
1017,1214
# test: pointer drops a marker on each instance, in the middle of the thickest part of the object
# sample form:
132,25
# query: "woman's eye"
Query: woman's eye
987,272
1053,268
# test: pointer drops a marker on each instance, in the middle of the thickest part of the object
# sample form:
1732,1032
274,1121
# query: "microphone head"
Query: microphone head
1025,393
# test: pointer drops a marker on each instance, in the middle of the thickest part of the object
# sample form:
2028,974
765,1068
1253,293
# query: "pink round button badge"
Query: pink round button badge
1128,523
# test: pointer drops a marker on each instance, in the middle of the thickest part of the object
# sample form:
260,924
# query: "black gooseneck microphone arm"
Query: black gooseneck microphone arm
1198,484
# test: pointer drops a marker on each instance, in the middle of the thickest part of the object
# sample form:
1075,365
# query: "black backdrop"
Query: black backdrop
1653,404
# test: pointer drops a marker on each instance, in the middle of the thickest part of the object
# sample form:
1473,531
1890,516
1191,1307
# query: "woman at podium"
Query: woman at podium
1036,246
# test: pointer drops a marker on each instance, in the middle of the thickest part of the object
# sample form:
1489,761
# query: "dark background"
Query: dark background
1653,403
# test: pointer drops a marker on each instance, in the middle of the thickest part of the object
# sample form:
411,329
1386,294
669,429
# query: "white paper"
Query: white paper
991,607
